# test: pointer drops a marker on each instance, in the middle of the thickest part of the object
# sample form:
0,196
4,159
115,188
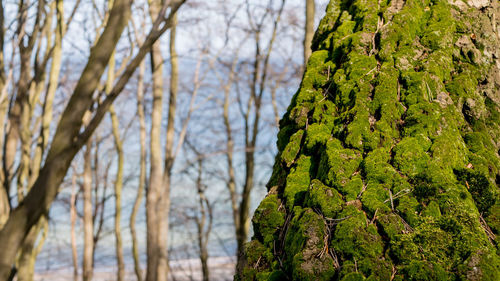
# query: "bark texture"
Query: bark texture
388,165
309,29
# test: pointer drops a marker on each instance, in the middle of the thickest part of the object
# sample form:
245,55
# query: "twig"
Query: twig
362,190
397,195
337,220
374,216
257,263
408,228
394,270
392,201
487,229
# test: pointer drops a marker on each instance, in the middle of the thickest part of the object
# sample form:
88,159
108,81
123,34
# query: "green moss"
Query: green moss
493,219
408,206
390,224
409,157
450,225
481,266
267,219
258,258
423,270
297,182
479,187
284,136
423,118
303,243
439,31
374,196
396,101
353,187
449,149
355,240
337,164
278,177
353,276
317,134
292,148
325,113
324,198
376,166
432,210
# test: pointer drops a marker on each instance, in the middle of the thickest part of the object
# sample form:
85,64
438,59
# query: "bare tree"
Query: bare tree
156,244
158,193
142,172
68,138
251,112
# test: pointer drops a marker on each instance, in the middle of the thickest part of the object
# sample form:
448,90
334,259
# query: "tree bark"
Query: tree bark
158,193
379,173
309,29
142,172
72,212
4,102
154,191
118,195
204,222
88,217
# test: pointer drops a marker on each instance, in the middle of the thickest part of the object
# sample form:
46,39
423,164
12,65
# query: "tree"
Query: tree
69,136
158,192
308,29
388,164
250,109
142,171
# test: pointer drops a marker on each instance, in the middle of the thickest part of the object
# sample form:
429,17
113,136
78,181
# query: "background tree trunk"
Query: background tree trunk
154,191
142,171
309,29
388,165
88,217
68,137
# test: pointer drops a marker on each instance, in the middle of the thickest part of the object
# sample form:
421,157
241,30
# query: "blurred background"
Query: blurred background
201,113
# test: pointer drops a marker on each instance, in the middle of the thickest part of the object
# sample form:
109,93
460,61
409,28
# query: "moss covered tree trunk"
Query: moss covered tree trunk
388,164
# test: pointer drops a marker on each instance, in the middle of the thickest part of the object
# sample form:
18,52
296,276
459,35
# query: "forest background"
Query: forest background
232,65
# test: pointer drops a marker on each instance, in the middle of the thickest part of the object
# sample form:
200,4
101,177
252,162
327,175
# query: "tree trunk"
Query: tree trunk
119,173
118,196
388,165
155,187
142,172
88,218
203,221
169,150
72,212
4,102
30,250
308,29
158,193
